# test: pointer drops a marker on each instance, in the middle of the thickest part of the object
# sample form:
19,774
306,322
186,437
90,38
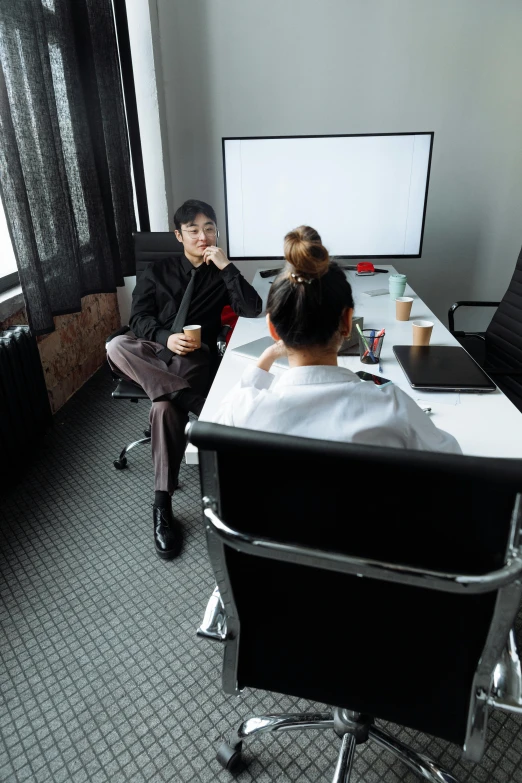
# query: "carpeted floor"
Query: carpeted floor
102,676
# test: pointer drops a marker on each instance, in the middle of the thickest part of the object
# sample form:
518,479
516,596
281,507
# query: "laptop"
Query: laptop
442,368
254,350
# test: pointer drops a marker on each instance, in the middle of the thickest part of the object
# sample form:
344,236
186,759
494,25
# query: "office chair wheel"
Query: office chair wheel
119,464
229,756
147,432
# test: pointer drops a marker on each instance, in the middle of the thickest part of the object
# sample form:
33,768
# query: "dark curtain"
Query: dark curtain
64,157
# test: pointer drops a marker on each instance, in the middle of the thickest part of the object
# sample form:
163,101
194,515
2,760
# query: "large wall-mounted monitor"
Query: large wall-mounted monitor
365,194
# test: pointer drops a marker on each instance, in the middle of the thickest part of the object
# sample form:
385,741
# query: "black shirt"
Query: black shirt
160,288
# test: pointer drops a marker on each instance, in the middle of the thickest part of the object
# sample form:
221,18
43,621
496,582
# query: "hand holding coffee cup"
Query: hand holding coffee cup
422,332
403,308
193,331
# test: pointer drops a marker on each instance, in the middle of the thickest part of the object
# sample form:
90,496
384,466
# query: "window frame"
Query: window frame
8,281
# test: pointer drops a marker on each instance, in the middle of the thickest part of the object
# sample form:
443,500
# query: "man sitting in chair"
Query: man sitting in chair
173,371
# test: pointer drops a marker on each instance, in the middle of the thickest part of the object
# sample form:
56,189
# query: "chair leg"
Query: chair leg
422,765
289,721
229,753
214,625
121,462
343,770
507,677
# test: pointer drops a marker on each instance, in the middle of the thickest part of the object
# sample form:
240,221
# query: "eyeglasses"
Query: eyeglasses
193,233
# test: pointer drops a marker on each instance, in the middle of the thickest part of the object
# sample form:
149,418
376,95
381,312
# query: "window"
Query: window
8,268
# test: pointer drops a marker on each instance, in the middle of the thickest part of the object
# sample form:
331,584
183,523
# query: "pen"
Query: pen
372,343
365,341
376,343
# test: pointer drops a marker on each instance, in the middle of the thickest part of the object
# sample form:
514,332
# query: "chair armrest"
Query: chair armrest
121,330
221,341
478,335
223,332
470,584
455,305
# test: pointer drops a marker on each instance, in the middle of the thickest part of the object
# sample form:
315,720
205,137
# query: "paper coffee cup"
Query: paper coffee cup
422,332
403,308
194,331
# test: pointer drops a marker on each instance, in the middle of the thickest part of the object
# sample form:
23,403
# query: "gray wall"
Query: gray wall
277,67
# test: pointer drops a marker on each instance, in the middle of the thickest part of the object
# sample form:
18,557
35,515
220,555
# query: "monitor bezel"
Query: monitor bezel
328,136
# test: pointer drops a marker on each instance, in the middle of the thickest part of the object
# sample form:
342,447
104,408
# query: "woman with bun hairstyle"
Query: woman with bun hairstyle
309,314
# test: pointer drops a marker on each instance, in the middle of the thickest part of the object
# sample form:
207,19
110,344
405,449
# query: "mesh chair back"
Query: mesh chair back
504,336
397,652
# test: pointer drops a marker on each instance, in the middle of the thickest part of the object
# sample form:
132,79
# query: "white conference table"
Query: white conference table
485,424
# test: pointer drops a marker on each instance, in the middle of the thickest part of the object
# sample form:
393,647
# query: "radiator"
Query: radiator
25,413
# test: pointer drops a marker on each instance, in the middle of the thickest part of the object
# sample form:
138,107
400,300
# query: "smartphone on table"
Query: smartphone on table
377,379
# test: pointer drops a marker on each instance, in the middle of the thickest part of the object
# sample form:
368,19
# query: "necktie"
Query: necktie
179,322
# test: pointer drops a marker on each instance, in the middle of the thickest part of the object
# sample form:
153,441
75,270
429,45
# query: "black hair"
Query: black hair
307,299
188,211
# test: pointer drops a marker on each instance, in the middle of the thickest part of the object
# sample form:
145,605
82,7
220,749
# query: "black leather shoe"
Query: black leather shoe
168,533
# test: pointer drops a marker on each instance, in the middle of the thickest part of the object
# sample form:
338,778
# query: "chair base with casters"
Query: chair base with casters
351,727
127,390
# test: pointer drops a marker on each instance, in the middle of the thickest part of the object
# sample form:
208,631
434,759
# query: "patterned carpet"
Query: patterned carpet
102,677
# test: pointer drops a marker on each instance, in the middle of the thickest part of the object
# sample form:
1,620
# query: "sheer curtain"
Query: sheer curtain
64,159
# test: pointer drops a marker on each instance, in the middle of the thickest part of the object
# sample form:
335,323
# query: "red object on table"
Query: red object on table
365,266
229,318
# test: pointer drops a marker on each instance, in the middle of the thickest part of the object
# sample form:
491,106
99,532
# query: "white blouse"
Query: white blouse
331,403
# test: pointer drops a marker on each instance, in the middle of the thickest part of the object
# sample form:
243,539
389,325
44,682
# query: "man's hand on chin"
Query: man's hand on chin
216,256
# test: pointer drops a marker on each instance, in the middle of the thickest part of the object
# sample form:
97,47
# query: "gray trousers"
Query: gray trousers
137,360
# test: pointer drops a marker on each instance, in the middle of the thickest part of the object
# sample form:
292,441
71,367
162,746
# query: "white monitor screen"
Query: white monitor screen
365,195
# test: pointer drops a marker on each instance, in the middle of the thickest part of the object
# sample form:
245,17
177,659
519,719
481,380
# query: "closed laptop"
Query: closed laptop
254,350
442,368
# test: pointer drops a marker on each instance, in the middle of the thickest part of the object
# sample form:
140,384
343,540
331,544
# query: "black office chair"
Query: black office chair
381,581
149,246
499,349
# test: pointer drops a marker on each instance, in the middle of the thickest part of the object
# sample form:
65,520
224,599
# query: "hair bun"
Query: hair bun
306,253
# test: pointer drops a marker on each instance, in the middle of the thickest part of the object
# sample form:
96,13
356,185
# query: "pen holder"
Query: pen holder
370,349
